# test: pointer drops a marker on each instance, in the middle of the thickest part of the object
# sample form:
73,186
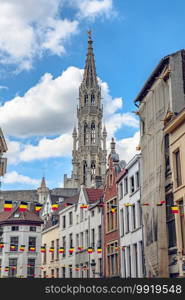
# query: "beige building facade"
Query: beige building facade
50,261
176,131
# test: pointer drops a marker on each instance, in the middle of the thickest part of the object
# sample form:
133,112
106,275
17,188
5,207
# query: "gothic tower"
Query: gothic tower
89,141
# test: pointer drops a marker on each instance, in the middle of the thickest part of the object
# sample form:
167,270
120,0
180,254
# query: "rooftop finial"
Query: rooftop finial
89,32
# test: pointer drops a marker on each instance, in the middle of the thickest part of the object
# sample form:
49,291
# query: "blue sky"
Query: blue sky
42,55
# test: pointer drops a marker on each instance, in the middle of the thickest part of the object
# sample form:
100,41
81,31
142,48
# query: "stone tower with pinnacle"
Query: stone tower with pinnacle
89,140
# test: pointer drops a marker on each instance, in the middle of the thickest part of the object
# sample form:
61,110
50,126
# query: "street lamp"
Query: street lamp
93,267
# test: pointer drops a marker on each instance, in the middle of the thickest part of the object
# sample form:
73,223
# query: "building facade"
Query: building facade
162,95
20,234
81,236
130,221
3,149
175,131
110,218
89,141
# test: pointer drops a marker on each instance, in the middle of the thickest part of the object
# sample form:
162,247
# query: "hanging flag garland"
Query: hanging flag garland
38,207
23,206
8,205
55,206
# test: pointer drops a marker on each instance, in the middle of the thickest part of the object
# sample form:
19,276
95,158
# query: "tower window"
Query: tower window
85,99
92,133
92,99
84,172
85,134
93,169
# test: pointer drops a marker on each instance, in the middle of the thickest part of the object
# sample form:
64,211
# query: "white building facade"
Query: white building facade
130,221
17,232
80,229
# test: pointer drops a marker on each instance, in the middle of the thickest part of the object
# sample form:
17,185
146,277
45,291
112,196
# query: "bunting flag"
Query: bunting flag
22,248
1,245
80,248
6,269
71,250
145,204
51,249
23,206
116,248
61,250
174,209
99,250
55,206
68,204
8,206
32,249
83,206
113,210
12,247
90,250
13,267
77,269
38,207
128,204
42,249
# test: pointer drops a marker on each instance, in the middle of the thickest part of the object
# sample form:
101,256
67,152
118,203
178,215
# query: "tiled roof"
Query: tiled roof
9,217
94,194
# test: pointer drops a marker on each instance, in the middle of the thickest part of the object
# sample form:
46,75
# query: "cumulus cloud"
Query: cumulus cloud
14,177
26,30
127,147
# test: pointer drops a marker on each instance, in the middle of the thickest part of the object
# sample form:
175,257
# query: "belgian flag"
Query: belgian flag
55,206
113,210
68,204
51,249
23,206
80,248
90,250
174,209
7,269
42,249
38,207
145,204
61,250
1,245
8,205
128,204
32,249
99,250
77,269
12,247
22,248
71,250
83,206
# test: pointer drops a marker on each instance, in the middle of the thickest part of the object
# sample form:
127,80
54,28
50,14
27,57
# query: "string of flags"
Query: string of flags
23,206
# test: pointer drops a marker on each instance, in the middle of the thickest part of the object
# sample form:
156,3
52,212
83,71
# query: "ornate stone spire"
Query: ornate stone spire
113,145
90,77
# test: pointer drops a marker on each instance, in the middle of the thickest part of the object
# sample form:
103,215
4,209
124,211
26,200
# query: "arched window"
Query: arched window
92,99
93,133
85,99
85,134
84,172
93,169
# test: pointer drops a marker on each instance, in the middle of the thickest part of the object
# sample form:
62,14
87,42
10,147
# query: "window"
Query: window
33,228
70,218
137,180
182,224
92,213
52,273
31,268
112,259
64,222
131,184
77,219
112,216
85,134
85,99
123,264
133,217
32,242
127,219
44,274
93,169
63,272
81,215
170,218
64,245
71,242
81,239
93,134
52,253
120,190
57,272
57,247
125,185
178,168
87,238
122,222
167,156
100,266
92,99
14,241
128,259
77,271
93,237
12,267
70,271
15,228
136,260
84,172
99,236
77,240
44,254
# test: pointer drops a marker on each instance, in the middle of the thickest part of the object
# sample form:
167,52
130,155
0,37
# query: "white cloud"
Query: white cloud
2,87
127,147
28,29
14,177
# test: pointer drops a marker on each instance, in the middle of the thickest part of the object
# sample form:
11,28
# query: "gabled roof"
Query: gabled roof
93,195
27,217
